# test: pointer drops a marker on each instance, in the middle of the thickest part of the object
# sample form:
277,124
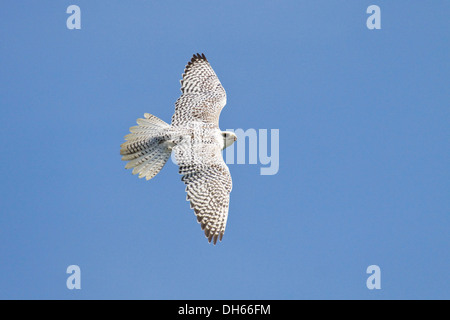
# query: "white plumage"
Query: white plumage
196,140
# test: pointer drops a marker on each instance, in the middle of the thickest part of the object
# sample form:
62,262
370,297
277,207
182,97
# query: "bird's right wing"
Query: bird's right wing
203,96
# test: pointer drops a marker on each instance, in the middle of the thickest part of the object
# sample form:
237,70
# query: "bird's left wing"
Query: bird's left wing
208,185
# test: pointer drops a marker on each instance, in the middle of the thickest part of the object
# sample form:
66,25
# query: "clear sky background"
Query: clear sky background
364,150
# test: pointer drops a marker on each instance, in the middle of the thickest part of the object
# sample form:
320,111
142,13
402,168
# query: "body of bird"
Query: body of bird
196,140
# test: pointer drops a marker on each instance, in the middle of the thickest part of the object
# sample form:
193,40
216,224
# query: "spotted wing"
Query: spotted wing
203,96
208,183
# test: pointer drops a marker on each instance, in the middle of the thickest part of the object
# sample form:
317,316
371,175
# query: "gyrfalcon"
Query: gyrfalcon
197,143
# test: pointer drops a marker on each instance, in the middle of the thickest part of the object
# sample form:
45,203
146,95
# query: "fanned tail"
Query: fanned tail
148,147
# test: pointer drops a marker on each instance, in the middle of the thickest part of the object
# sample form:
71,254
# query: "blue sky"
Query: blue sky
363,117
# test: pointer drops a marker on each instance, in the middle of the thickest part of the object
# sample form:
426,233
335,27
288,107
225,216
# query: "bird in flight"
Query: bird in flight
197,142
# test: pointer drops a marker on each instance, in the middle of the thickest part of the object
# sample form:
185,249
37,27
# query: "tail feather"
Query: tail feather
145,157
154,166
146,147
139,168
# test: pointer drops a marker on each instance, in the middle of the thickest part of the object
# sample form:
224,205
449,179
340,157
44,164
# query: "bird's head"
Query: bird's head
228,138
